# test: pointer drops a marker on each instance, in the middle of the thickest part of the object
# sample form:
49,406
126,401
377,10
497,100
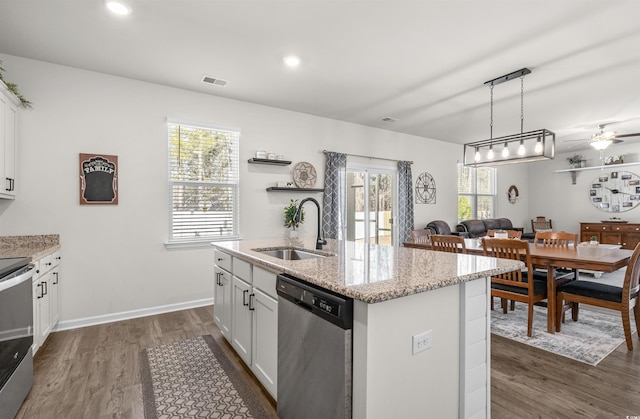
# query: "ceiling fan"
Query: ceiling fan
604,139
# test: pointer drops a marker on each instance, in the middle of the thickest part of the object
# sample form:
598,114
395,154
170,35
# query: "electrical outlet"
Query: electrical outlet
422,342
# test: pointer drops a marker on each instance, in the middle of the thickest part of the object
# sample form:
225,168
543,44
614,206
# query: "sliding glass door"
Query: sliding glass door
371,203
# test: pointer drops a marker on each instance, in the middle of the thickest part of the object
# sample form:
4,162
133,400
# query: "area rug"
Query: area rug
594,336
194,378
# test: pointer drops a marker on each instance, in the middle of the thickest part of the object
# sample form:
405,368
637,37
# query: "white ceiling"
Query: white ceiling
422,62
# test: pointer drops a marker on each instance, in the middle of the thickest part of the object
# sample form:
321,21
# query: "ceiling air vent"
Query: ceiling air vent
389,119
214,81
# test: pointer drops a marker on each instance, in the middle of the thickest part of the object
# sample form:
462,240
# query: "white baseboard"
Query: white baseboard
126,315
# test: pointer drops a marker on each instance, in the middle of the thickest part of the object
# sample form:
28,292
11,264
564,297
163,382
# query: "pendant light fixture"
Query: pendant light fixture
532,145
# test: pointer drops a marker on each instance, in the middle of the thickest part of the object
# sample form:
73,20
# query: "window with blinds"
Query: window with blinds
203,183
476,192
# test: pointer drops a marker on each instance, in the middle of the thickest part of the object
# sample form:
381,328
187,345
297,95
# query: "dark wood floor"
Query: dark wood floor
94,373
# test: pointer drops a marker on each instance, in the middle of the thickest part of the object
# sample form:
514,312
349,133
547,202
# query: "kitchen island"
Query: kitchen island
400,293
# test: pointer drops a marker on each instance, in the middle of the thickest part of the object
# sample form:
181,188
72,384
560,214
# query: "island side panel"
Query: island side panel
388,381
475,344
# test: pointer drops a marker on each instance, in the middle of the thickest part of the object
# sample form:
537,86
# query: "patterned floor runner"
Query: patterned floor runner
594,336
194,378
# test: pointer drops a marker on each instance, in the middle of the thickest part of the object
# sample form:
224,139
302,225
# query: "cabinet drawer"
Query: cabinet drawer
265,281
55,258
242,269
45,263
596,227
626,228
223,260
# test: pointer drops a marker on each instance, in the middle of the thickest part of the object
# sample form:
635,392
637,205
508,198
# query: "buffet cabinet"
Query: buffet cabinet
626,235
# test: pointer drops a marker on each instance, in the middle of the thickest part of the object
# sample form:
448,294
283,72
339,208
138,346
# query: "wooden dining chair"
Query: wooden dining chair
556,238
515,286
420,236
541,224
622,298
511,234
446,243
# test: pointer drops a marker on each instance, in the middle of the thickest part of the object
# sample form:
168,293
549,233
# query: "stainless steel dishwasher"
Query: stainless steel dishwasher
314,351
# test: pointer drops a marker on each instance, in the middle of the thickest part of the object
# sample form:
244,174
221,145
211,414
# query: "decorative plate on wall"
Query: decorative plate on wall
304,175
425,189
513,194
615,191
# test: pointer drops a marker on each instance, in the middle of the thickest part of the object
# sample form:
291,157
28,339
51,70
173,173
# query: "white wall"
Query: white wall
114,256
553,195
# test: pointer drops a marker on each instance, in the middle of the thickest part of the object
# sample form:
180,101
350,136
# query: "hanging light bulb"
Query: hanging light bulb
477,157
538,148
505,150
521,150
490,152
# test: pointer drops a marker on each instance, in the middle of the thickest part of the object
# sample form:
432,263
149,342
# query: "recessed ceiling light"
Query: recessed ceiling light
291,61
118,7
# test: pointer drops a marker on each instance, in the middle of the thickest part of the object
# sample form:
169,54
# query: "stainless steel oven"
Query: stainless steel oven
16,334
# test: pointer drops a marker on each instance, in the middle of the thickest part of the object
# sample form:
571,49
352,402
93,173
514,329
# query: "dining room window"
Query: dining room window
203,182
476,192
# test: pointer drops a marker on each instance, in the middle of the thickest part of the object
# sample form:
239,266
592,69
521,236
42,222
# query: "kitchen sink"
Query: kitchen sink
291,254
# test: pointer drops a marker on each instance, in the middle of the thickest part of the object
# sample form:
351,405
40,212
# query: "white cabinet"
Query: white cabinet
250,306
265,340
54,290
222,296
46,298
242,319
8,141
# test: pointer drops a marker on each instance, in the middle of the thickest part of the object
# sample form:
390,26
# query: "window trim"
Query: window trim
235,188
474,195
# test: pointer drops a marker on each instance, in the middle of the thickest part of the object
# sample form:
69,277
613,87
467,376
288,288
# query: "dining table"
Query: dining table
600,258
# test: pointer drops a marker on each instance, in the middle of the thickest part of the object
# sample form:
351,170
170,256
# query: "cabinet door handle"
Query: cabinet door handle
7,184
220,259
251,299
244,297
56,281
218,278
40,287
44,288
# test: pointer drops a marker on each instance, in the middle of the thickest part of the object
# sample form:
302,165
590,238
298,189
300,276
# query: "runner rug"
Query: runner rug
194,378
594,336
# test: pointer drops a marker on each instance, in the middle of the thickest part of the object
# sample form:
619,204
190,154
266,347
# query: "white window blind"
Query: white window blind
203,183
476,192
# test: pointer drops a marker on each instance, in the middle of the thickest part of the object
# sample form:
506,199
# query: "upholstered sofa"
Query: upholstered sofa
440,227
479,228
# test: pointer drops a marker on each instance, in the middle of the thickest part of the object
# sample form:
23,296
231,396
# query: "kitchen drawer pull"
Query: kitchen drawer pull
251,299
39,286
45,289
56,281
244,297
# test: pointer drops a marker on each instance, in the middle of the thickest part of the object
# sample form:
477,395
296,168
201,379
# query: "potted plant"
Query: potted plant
575,161
594,240
290,212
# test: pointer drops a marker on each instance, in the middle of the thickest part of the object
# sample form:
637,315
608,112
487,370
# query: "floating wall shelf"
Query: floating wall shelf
574,171
269,161
277,189
608,166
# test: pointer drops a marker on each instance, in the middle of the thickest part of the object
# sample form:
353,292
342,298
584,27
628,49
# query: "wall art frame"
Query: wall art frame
98,179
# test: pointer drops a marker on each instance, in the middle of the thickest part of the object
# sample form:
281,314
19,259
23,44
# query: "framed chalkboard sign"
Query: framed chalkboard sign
98,179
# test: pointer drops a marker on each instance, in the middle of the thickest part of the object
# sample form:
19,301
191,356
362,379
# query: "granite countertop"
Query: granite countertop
373,274
34,247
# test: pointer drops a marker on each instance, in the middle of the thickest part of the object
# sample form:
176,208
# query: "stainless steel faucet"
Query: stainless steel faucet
296,219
